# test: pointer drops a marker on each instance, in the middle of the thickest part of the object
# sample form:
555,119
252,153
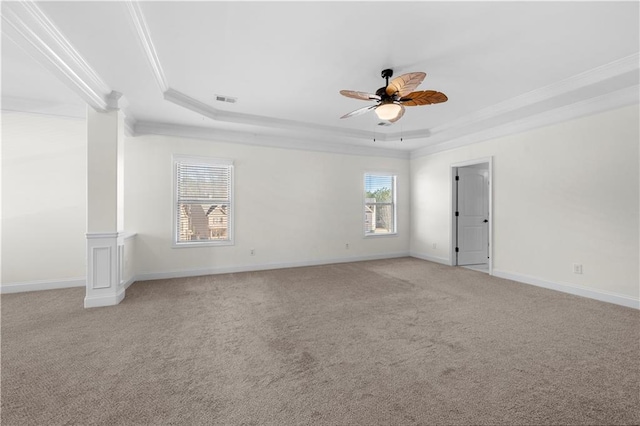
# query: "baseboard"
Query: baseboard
51,285
98,302
600,295
442,260
260,267
128,282
41,285
81,282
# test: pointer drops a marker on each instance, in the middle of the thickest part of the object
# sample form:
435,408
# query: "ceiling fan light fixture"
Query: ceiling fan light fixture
388,111
392,99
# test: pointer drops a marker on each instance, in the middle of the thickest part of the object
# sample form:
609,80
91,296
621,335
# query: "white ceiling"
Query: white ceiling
499,63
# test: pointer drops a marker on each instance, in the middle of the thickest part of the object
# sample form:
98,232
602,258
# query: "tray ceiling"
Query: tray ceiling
503,65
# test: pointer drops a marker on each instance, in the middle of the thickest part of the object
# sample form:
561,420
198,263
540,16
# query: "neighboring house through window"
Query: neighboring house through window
379,204
203,201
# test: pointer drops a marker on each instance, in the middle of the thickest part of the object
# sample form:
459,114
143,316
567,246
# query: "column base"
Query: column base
103,270
101,301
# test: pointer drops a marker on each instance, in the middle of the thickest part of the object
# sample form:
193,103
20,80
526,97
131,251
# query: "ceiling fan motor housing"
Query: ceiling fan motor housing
382,92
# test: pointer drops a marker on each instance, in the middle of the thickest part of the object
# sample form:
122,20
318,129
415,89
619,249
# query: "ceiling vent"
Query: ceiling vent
229,99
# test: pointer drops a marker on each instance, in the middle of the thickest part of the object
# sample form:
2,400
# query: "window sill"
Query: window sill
202,244
394,234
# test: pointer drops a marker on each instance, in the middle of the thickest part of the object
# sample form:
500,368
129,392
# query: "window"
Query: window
379,204
203,201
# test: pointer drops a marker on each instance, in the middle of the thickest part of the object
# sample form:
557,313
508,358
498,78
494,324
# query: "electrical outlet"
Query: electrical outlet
253,252
434,245
346,246
577,268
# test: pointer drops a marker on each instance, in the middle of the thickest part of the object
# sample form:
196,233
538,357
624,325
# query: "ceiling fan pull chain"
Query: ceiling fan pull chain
374,133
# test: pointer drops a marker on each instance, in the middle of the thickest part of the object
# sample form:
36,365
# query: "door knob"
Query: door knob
485,221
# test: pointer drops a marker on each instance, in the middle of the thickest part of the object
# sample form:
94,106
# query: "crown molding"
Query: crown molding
181,99
30,29
304,143
43,107
129,126
608,101
194,105
554,90
115,100
447,131
71,111
144,36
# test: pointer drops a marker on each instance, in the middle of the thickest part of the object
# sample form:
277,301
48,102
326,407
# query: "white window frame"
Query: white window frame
231,218
394,204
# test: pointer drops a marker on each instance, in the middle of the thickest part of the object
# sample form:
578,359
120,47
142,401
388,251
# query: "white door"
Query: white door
473,215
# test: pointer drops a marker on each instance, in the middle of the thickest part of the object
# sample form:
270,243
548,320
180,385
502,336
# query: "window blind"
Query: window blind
203,201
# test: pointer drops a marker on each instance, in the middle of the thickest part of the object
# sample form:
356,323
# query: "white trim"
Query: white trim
606,102
30,28
126,284
437,143
436,259
554,90
196,159
202,243
394,203
186,101
473,162
102,301
125,235
230,241
261,267
453,167
70,111
144,35
303,143
21,287
601,295
129,125
96,235
579,81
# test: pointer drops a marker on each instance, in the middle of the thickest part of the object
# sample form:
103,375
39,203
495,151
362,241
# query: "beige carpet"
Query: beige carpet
393,342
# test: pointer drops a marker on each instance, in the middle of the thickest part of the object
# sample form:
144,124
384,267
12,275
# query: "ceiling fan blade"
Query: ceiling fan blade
359,111
404,84
359,95
399,116
423,97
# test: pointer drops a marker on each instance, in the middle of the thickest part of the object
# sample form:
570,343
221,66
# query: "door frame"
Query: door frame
452,181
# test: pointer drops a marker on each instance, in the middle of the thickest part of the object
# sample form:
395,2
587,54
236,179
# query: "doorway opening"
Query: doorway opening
471,213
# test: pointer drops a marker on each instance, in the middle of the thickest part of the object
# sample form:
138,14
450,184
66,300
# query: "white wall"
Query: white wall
563,194
293,207
43,200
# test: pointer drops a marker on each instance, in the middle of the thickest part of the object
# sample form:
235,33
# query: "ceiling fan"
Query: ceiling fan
391,99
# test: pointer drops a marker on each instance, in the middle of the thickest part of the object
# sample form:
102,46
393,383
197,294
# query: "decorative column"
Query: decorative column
105,143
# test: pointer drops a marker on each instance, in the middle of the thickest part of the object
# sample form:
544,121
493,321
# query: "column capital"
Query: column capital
116,101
